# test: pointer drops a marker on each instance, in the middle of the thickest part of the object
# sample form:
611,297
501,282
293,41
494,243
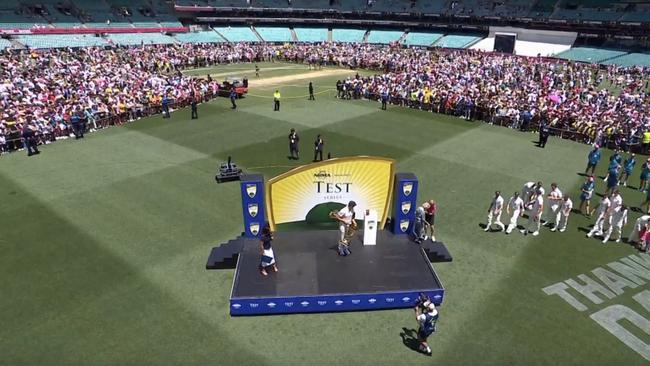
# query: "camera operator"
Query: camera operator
426,316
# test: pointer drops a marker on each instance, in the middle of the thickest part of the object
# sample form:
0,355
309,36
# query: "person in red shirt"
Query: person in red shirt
430,209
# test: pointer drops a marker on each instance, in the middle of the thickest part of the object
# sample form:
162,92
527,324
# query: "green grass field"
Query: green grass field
104,243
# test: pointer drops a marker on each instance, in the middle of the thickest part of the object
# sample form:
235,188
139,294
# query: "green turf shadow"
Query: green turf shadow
66,300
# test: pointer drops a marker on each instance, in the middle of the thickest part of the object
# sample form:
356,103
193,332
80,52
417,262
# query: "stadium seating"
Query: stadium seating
274,34
199,37
151,24
107,25
237,34
348,35
421,39
302,4
586,14
61,40
384,37
171,24
640,16
4,43
631,59
456,41
311,34
130,39
592,55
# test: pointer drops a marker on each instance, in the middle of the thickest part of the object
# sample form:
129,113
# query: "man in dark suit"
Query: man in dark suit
318,148
29,140
293,144
195,113
311,91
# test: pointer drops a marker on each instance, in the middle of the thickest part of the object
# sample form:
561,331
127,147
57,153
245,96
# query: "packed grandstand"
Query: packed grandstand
114,61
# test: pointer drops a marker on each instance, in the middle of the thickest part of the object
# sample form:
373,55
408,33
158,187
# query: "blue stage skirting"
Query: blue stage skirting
331,303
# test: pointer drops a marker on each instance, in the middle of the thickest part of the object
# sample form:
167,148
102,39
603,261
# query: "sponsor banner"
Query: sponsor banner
328,303
308,193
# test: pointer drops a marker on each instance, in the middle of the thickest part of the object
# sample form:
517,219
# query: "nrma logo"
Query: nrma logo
322,174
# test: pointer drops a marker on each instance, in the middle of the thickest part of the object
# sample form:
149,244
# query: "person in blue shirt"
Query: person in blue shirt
586,192
427,317
165,106
233,97
77,126
614,166
592,160
645,174
628,166
384,100
612,179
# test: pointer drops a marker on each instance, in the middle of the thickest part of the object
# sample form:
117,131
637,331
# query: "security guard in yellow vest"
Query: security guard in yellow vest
645,140
276,101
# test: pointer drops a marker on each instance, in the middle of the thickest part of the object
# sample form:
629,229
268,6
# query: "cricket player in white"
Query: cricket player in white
494,212
516,208
529,190
555,203
618,220
565,211
640,223
345,217
535,216
603,209
616,203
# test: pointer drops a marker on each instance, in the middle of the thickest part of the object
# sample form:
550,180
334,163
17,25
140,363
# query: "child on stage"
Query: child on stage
266,251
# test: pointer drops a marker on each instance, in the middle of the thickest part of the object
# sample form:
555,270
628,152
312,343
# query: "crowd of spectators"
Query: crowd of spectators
43,90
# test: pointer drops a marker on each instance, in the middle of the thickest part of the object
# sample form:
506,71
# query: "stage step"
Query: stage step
436,251
225,256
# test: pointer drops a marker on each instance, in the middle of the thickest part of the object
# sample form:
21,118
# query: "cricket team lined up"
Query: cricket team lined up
553,209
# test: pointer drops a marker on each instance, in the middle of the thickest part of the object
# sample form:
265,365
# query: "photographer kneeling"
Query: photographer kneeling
427,316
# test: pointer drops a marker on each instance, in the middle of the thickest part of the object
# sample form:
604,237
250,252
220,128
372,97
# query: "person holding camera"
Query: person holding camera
426,316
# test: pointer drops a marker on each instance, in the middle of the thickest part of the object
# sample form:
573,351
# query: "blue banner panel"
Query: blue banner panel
405,201
252,200
331,303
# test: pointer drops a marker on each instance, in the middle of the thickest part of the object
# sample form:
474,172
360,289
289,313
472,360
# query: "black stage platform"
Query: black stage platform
313,278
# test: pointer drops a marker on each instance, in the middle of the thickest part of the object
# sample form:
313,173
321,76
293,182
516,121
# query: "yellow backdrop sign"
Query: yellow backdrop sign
307,193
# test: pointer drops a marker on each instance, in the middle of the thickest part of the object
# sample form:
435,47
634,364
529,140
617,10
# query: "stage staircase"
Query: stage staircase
436,251
225,255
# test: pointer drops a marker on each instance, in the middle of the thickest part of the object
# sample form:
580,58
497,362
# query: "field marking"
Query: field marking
278,80
247,70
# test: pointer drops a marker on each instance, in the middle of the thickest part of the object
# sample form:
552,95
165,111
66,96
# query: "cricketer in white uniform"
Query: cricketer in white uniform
616,203
603,209
346,215
535,216
554,204
565,211
516,208
494,212
618,220
640,223
529,190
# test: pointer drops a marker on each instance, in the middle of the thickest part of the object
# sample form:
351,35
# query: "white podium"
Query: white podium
370,228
